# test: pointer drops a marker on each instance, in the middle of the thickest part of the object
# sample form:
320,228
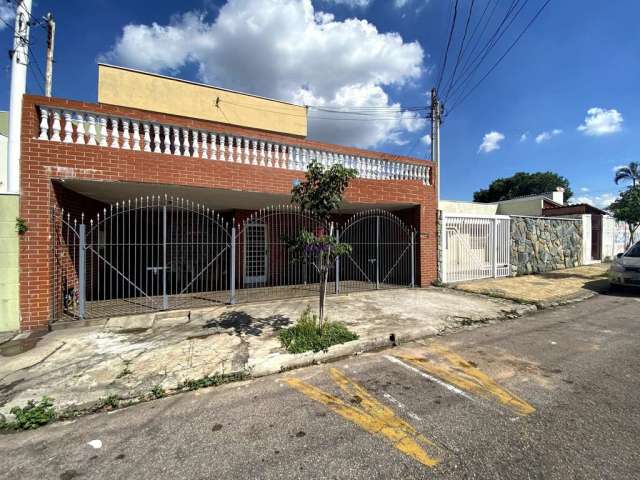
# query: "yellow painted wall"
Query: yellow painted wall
9,270
452,207
529,206
131,88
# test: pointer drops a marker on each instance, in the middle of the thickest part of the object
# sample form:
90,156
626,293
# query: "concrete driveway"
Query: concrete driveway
79,367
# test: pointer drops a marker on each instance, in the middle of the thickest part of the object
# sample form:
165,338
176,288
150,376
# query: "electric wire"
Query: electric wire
495,65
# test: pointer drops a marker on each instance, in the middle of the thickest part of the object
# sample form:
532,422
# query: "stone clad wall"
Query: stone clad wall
544,244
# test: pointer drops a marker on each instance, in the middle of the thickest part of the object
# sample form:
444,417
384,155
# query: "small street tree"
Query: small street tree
630,173
319,195
627,209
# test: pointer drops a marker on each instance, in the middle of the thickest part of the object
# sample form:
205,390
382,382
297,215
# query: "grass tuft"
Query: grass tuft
306,336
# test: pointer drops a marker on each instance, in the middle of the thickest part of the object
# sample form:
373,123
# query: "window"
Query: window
634,251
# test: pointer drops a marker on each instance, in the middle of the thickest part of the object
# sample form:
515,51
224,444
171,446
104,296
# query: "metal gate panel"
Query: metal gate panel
265,268
143,255
382,253
475,247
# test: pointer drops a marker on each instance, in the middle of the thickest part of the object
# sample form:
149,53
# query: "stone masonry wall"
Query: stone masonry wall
543,244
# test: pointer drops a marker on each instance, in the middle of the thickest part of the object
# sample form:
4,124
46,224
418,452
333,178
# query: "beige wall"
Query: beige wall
452,207
9,273
130,88
531,207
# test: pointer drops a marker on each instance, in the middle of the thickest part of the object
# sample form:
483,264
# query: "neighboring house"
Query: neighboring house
531,205
165,195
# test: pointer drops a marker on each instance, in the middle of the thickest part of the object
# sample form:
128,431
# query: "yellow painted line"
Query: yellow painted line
452,368
371,415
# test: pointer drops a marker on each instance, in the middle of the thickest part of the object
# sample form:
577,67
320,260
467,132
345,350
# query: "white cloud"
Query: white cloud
426,139
547,135
351,3
584,189
7,14
490,142
600,201
524,137
599,122
286,49
400,3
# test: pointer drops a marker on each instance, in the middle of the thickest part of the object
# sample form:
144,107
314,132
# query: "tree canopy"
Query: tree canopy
522,184
630,173
627,208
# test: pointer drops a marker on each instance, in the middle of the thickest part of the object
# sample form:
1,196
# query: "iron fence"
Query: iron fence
163,253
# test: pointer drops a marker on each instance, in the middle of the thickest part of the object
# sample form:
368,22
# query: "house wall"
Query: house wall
526,206
146,91
541,244
470,208
9,272
44,161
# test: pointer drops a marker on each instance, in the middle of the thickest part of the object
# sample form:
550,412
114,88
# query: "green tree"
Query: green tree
319,195
626,209
629,173
522,184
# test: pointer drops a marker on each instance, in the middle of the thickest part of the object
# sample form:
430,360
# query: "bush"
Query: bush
306,335
34,415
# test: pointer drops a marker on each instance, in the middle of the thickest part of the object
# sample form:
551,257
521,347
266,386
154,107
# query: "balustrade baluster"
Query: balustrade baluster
68,126
194,144
44,124
166,139
156,138
146,137
135,125
125,134
254,152
204,145
55,127
175,135
186,148
115,134
214,147
102,121
91,120
80,128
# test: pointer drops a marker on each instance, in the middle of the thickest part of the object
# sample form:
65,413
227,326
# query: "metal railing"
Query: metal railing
162,253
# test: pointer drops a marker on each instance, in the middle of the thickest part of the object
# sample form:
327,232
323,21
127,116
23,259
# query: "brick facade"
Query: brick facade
43,161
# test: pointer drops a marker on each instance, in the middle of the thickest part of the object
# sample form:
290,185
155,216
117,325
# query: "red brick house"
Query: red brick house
173,209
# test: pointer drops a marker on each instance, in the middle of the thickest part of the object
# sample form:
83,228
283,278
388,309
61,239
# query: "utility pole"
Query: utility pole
19,60
51,38
436,117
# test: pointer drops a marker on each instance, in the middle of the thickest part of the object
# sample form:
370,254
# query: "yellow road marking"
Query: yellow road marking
371,415
454,369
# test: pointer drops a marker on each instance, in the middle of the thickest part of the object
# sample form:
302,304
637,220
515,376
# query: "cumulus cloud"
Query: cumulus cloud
286,49
600,201
524,137
490,142
7,14
599,122
426,139
584,189
547,135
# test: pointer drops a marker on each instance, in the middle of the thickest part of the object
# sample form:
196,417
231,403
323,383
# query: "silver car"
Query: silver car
625,268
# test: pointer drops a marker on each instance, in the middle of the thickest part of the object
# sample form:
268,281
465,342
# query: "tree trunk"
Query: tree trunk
323,290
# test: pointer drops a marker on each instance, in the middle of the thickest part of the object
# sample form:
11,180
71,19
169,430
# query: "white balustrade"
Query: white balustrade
187,142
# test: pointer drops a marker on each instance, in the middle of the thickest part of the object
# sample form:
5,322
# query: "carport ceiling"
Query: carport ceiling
216,199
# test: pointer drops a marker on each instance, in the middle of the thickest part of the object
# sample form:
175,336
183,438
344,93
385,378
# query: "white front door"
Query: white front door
255,253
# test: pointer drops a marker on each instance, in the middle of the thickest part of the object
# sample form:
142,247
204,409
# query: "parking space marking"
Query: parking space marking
372,416
460,376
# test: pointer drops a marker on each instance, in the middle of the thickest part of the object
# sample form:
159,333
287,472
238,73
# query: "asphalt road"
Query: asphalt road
550,395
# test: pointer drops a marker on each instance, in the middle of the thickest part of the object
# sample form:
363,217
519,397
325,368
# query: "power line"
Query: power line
464,37
491,43
446,53
515,42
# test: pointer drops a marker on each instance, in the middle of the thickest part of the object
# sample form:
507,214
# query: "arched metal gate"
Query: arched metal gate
164,253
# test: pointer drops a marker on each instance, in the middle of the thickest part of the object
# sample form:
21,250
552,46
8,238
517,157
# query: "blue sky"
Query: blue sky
382,56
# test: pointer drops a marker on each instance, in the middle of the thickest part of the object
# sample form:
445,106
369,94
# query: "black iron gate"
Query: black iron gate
164,253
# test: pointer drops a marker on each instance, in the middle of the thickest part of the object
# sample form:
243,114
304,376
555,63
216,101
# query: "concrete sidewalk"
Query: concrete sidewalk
545,289
79,367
